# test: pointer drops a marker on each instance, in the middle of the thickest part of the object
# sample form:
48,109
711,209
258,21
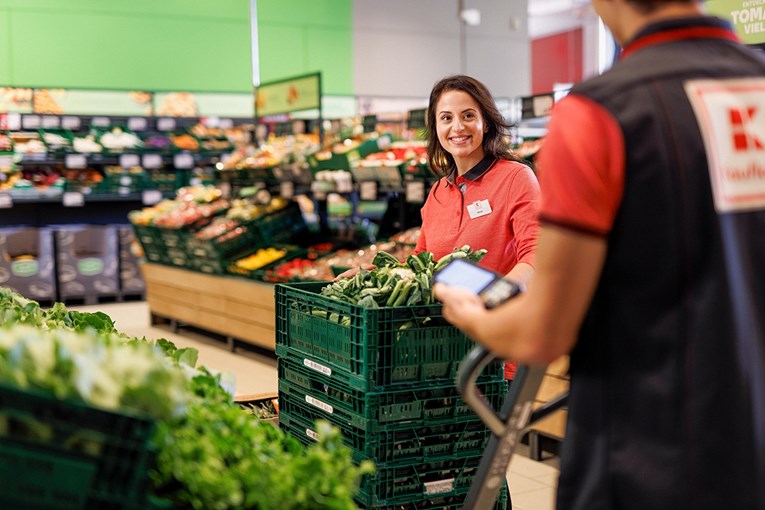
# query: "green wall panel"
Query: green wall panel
6,35
172,44
282,52
329,50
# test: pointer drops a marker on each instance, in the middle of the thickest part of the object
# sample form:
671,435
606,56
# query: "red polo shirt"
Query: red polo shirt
457,213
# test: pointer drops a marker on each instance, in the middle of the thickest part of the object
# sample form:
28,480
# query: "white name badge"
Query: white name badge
479,208
731,115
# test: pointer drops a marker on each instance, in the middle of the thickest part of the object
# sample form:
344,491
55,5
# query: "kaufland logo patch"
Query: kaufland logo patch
732,121
743,129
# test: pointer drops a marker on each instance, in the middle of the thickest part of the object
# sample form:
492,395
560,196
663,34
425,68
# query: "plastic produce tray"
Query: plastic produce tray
372,351
372,412
79,457
394,443
151,242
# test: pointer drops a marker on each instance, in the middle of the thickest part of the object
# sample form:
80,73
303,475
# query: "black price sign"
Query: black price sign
369,123
416,119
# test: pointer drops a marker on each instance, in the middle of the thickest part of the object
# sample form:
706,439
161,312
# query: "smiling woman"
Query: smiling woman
485,197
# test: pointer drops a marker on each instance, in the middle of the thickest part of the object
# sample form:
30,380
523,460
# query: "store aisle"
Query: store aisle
532,484
254,373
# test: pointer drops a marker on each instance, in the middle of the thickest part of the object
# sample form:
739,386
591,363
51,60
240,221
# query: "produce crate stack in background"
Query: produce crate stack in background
87,262
385,377
27,264
131,279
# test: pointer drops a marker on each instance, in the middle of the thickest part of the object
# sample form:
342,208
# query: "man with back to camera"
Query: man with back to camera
651,269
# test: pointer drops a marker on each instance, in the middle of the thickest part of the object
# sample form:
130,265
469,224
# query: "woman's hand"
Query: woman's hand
352,271
461,307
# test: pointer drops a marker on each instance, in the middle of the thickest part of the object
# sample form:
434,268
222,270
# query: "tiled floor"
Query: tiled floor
532,484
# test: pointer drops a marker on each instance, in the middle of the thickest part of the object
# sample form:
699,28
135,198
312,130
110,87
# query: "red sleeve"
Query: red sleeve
581,167
524,194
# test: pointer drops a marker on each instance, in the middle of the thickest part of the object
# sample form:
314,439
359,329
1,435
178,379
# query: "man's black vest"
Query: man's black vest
662,411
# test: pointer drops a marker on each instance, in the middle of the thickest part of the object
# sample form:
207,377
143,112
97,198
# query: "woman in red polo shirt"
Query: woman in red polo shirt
485,197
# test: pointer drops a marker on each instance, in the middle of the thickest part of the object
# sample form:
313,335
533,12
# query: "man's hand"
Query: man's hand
461,307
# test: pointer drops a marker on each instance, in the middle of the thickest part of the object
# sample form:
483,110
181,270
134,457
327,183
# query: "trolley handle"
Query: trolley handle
467,374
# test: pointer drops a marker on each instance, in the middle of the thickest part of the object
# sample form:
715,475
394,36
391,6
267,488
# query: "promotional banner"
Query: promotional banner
295,94
747,17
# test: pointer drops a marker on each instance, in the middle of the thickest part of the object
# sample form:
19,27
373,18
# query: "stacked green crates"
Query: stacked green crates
385,377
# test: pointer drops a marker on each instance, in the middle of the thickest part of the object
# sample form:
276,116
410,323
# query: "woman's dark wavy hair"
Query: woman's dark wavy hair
494,143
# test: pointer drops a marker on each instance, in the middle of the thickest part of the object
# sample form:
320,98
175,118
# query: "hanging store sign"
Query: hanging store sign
292,95
416,119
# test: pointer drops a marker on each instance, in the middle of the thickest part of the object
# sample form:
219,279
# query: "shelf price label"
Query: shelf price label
30,122
6,201
73,199
165,124
287,189
129,160
225,123
75,161
126,180
100,122
50,122
6,161
72,123
183,160
152,161
415,192
368,190
12,122
151,196
137,124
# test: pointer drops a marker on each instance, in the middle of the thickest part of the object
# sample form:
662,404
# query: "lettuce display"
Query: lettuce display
211,453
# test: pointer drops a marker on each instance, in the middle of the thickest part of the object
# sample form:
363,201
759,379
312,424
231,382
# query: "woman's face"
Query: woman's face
460,128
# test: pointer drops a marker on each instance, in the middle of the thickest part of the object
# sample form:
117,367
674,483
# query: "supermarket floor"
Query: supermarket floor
532,484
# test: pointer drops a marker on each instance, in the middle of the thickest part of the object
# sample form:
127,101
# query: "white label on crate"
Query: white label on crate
151,196
50,122
73,199
165,124
195,181
129,160
316,366
152,161
183,160
70,123
226,123
123,191
318,403
415,192
439,486
75,161
211,121
368,190
137,123
30,121
313,435
6,201
100,122
287,189
126,180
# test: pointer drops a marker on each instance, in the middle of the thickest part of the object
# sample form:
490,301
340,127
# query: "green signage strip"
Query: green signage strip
292,95
746,16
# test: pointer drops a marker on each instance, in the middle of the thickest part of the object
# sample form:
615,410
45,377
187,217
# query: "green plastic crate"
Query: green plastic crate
444,503
402,484
151,243
395,443
372,352
65,456
372,412
284,226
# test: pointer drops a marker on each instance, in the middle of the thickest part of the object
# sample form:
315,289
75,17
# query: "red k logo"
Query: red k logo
743,136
